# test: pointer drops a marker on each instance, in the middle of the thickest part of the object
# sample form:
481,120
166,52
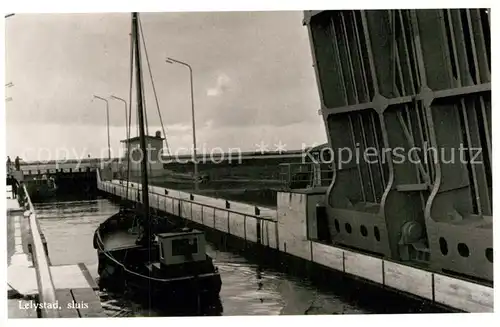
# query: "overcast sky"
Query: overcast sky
253,79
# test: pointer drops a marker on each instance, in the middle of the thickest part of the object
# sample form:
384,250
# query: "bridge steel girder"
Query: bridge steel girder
413,85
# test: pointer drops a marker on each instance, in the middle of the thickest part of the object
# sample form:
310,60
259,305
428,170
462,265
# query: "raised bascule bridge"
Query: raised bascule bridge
387,79
412,80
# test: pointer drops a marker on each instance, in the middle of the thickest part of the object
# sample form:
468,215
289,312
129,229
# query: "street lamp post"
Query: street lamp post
127,136
195,161
126,119
107,121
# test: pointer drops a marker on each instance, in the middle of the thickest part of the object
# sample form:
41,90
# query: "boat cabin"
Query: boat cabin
181,247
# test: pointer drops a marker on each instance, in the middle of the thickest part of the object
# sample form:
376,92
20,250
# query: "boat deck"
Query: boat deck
119,240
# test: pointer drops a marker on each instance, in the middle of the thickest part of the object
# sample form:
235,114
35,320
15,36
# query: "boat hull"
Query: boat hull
123,269
113,278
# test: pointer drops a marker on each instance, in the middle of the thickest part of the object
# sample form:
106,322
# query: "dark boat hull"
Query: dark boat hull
204,288
122,269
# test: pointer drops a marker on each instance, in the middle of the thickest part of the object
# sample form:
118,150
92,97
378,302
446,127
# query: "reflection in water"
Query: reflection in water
122,306
247,289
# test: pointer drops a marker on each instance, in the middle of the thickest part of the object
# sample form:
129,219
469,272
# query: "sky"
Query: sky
254,83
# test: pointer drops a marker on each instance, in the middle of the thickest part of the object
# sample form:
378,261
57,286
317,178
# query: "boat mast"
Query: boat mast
140,109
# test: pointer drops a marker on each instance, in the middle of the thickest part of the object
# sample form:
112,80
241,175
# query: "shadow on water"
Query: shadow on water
324,291
69,197
119,305
309,288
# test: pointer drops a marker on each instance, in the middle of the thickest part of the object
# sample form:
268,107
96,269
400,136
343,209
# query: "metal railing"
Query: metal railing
46,289
133,189
305,175
180,206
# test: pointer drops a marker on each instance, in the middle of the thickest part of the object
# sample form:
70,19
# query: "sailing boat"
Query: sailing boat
147,255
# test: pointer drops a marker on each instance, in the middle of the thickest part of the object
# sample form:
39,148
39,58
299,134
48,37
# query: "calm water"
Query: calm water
247,289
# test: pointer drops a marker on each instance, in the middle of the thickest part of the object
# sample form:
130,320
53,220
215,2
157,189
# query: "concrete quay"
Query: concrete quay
285,230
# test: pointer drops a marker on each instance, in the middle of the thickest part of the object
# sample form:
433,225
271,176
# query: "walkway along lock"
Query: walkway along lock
46,289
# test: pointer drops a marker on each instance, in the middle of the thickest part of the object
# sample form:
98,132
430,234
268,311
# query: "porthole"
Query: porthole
337,225
463,250
489,254
363,230
376,232
443,246
348,228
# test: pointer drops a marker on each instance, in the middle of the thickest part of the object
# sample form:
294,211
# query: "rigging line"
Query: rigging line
130,114
144,101
147,132
136,113
136,123
154,89
130,107
145,107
